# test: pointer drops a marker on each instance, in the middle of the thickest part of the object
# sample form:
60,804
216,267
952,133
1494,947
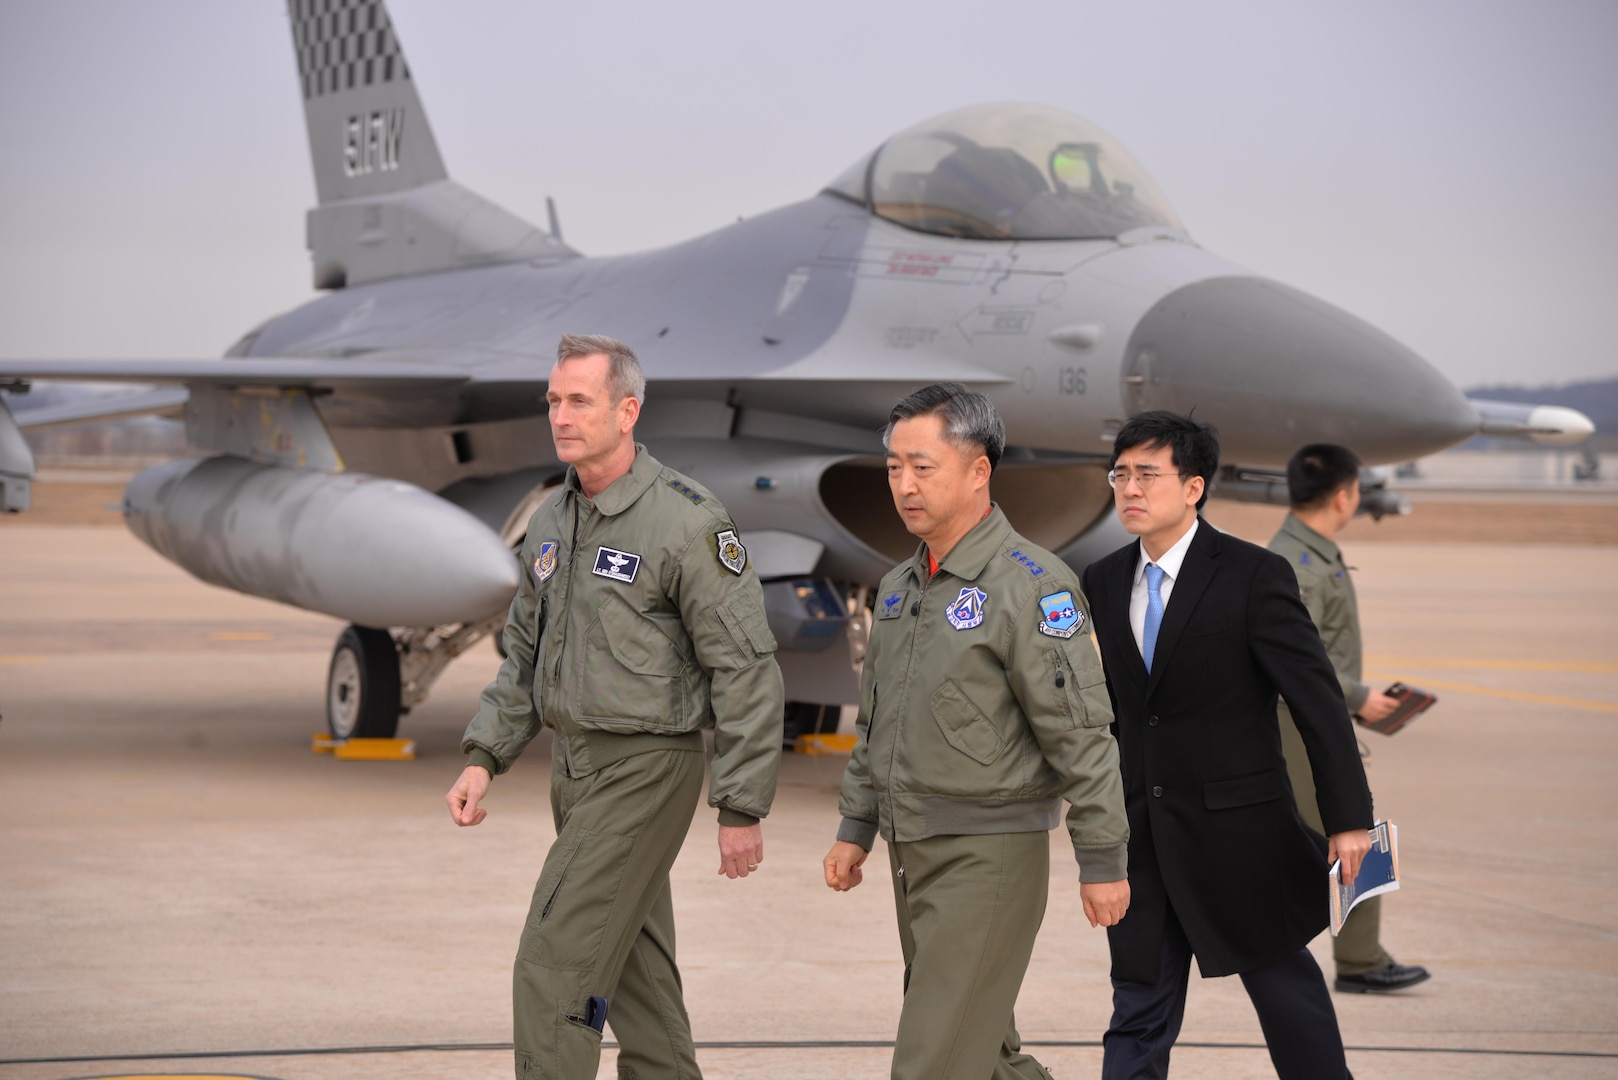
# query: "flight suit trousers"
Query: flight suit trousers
601,923
1358,948
969,909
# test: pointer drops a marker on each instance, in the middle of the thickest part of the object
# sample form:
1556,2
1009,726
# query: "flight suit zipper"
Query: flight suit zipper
572,561
910,674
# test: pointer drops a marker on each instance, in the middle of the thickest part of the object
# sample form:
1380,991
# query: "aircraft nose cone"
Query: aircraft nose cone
1273,368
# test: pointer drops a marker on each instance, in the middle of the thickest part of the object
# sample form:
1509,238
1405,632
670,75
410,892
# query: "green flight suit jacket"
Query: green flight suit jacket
1328,593
983,704
639,622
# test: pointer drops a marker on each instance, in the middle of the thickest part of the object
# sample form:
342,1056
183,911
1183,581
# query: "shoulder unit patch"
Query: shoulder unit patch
1060,616
732,556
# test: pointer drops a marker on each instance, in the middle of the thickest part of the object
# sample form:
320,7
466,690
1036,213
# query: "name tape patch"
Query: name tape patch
1061,617
615,564
892,605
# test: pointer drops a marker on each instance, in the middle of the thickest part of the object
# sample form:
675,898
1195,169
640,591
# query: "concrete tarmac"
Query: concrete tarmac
180,875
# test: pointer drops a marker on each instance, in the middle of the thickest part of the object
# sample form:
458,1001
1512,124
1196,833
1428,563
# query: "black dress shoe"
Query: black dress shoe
1395,976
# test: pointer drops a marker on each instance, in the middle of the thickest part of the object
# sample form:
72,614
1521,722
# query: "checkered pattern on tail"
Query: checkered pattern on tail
342,44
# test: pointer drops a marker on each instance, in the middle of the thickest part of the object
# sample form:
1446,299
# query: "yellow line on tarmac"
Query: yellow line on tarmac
1513,695
24,659
1492,665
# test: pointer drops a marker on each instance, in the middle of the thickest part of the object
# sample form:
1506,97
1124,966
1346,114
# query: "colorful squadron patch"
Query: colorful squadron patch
966,611
732,556
545,565
892,605
1062,617
615,564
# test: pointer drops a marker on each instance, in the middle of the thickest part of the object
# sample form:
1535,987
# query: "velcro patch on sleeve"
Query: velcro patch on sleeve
1059,615
732,555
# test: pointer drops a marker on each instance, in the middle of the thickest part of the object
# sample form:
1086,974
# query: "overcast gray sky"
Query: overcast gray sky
1447,169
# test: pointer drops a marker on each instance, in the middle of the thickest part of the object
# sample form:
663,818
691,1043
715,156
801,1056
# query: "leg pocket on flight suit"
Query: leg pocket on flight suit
574,901
575,1050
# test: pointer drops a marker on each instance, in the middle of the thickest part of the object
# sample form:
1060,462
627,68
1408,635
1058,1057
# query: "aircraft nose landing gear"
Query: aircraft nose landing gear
362,685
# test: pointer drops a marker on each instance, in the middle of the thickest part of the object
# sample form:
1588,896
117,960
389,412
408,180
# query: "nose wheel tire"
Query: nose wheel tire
362,686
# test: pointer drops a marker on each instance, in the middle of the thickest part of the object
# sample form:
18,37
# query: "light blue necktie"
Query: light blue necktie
1154,613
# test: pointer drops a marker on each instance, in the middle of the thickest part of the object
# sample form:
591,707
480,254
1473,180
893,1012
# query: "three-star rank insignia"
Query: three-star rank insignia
687,490
966,610
892,605
732,556
545,565
1060,617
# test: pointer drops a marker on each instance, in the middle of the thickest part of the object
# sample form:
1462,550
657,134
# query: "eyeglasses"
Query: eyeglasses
1144,477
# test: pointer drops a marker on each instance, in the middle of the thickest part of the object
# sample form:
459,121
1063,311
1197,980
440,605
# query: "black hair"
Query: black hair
1193,445
1319,471
969,417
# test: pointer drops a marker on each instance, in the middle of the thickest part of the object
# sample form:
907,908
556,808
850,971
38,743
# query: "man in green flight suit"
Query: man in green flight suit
982,705
638,623
1323,486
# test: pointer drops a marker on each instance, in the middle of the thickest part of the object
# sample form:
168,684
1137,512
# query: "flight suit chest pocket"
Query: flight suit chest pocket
1080,688
637,643
964,726
632,669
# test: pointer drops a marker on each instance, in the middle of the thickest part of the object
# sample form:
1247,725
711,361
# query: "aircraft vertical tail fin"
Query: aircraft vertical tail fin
368,133
387,207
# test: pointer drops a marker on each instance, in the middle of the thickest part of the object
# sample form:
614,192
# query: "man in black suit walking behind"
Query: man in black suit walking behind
1199,633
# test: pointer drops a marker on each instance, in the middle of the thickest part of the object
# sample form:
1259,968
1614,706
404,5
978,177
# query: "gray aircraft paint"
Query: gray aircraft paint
774,348
269,531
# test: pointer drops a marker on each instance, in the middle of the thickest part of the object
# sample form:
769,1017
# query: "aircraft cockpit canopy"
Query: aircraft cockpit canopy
1007,172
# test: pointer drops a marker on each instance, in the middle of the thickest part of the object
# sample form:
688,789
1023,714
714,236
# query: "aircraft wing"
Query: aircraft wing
844,388
155,400
247,371
370,378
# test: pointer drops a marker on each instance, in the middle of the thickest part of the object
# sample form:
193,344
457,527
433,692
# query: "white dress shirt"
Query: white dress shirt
1138,596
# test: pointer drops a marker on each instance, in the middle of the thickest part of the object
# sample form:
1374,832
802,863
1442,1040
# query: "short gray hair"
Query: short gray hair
624,375
970,419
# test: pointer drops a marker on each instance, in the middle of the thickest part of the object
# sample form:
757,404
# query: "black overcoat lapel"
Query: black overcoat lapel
1195,574
1119,584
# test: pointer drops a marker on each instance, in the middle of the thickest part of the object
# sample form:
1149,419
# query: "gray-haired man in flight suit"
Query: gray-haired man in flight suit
638,623
983,705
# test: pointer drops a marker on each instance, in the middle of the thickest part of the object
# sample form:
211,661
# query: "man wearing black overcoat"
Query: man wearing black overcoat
1199,633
